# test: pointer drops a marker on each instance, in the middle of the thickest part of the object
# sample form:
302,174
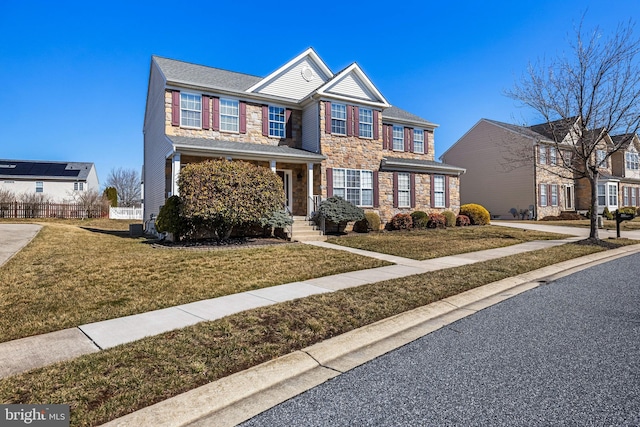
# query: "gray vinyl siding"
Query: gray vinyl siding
352,87
156,145
311,128
290,83
492,179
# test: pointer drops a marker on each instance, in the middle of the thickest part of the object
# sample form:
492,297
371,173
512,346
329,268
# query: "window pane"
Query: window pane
367,179
339,119
339,192
353,178
229,115
190,110
602,200
398,138
276,122
438,191
353,196
418,141
366,123
338,178
543,195
367,197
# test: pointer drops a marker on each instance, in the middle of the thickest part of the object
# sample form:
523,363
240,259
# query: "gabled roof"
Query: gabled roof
25,169
352,83
179,72
625,139
557,130
396,114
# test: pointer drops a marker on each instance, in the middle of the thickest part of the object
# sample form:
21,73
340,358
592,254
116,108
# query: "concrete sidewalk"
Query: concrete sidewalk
14,237
28,353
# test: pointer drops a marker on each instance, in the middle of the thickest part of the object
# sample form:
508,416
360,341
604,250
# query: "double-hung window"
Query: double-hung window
418,141
190,110
542,155
404,190
229,115
602,197
613,195
39,186
634,200
553,156
438,191
277,121
543,195
365,123
632,161
78,186
625,196
355,186
338,119
398,138
601,158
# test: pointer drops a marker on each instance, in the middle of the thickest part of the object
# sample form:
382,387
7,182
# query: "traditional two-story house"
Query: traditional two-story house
512,169
323,133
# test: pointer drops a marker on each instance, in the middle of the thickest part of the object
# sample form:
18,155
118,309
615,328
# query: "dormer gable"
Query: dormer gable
353,85
296,79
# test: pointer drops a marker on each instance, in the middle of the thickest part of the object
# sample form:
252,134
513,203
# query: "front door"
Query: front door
285,175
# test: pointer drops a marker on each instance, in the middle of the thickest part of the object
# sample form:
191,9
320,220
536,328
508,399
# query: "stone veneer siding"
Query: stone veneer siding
352,152
548,174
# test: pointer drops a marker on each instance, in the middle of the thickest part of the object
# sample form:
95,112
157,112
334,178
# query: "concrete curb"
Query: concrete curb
234,399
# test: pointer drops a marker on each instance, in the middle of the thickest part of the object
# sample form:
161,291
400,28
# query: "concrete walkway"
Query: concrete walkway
14,237
41,350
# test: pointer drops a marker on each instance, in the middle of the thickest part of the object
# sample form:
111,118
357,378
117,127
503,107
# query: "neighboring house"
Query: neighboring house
512,168
323,133
55,181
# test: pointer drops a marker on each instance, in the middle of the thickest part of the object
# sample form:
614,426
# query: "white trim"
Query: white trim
288,174
362,76
220,115
191,94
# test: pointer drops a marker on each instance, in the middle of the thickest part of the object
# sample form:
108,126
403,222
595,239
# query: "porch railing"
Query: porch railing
315,202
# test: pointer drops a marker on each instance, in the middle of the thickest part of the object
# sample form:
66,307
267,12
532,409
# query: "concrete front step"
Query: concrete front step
305,231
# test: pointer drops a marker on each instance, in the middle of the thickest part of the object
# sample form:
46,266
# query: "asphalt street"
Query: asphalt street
564,354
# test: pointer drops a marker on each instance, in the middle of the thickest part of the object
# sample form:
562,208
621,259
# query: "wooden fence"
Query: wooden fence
52,210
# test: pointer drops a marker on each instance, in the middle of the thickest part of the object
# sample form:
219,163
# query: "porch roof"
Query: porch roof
243,150
414,165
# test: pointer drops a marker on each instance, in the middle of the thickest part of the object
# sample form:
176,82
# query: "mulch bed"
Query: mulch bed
212,244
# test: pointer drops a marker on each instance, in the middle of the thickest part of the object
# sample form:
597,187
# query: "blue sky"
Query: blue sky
74,74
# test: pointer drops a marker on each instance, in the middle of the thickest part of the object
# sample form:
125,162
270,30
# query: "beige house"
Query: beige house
323,133
514,169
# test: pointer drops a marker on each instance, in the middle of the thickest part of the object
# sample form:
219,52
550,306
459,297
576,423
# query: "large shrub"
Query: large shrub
401,221
338,210
630,210
436,220
419,219
219,194
276,220
112,195
370,222
450,218
171,219
607,214
477,214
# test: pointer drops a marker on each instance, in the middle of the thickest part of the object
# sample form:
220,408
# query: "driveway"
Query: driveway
574,231
14,237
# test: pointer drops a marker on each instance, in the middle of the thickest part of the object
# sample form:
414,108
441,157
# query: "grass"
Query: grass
634,224
103,386
435,243
69,275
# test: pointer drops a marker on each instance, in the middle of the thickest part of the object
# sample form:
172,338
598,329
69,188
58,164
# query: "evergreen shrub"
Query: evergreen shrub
419,219
436,220
450,217
462,221
477,214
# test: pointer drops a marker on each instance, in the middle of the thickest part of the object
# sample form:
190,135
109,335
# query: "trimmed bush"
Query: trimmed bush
477,214
112,195
419,219
218,195
450,217
370,222
276,220
171,218
462,221
630,210
401,221
564,216
436,220
607,214
338,210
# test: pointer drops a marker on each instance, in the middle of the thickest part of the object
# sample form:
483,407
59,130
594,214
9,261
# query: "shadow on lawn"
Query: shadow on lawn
117,233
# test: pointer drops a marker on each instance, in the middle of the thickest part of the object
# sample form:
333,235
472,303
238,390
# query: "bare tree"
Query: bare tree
127,184
595,88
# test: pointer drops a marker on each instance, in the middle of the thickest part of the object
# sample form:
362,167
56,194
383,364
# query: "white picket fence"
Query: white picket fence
125,213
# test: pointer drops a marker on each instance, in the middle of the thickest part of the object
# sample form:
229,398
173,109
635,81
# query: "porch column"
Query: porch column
309,189
175,173
272,164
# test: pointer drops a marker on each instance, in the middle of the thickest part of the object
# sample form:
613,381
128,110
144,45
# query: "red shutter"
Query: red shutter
407,140
216,114
637,196
410,133
205,112
175,108
349,120
376,131
395,189
447,202
288,124
327,117
412,190
385,137
433,192
243,117
329,182
549,202
356,121
265,120
376,190
426,141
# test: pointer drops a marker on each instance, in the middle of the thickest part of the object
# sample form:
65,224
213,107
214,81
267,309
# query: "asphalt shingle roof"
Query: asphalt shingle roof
392,113
391,163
